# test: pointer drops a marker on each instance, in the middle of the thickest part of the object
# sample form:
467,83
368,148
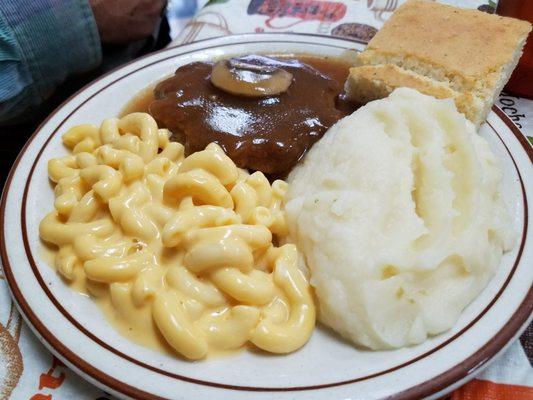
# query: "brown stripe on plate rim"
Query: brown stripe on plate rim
429,387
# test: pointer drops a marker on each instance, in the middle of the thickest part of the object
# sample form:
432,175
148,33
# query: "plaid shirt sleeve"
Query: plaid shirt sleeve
41,43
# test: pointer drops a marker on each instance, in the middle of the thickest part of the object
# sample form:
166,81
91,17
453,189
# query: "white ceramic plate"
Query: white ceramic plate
73,328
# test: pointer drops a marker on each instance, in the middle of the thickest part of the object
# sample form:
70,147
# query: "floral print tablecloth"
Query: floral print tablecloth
29,371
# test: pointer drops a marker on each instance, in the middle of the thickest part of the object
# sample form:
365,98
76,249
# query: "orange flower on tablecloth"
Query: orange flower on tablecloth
486,390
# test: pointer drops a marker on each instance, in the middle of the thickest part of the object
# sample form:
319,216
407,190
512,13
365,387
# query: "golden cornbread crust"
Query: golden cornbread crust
439,49
393,77
375,82
467,42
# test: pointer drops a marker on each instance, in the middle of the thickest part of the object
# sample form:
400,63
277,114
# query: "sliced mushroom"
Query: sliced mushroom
242,77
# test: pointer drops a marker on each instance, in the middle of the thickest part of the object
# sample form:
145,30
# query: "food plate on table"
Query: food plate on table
73,327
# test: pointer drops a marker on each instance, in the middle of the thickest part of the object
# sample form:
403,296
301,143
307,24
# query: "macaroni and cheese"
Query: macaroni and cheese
180,249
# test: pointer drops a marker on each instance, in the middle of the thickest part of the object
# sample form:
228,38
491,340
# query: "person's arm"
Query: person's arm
41,43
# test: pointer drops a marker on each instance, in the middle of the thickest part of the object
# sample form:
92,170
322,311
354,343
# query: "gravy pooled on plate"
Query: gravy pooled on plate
264,112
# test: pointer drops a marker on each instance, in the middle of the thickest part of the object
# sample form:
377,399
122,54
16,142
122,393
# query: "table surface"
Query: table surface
29,371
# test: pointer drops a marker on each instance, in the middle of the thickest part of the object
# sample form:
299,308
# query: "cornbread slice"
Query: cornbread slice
442,51
372,82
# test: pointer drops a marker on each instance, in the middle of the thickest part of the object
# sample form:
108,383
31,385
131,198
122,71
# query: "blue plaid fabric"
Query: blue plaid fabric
41,43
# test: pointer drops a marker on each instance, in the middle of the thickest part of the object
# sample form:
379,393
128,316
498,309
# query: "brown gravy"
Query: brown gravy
335,68
140,102
282,127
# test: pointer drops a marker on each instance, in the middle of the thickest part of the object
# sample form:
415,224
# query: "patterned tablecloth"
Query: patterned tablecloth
29,371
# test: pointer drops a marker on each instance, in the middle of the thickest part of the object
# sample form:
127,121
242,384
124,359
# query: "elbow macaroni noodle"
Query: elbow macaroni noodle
180,248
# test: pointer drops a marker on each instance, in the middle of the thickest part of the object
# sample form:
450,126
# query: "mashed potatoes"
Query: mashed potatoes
398,213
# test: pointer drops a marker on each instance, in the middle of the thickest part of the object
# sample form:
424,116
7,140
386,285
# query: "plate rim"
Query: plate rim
452,375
